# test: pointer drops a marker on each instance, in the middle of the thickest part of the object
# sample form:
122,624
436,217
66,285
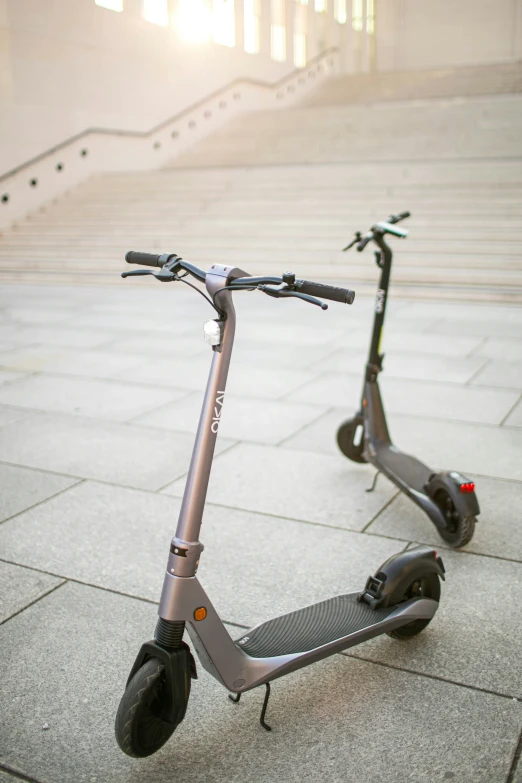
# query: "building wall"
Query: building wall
438,33
67,65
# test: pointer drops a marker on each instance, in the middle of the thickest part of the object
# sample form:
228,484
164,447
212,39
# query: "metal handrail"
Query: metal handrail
180,115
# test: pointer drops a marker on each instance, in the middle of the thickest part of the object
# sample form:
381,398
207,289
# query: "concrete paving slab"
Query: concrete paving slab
262,421
515,417
108,451
411,366
5,777
39,315
476,635
274,331
68,361
417,398
9,415
135,321
441,444
481,327
295,484
163,345
250,380
502,349
330,705
241,547
51,335
425,343
321,434
177,371
507,374
19,587
498,531
518,772
104,399
10,375
464,312
270,354
23,488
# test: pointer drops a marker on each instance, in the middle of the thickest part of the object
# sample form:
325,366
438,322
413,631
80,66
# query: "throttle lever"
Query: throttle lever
162,275
357,238
285,292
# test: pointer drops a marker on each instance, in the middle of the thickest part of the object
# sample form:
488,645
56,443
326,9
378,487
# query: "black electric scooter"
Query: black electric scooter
447,497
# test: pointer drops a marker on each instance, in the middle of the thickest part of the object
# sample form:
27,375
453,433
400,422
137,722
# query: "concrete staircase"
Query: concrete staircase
409,85
286,189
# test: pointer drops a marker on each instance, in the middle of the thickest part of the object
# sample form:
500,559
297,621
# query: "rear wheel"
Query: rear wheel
350,439
140,729
426,586
460,529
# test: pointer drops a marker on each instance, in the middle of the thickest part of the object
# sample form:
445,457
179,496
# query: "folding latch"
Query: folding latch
372,592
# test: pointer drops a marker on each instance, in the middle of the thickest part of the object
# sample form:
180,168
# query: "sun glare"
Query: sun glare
194,20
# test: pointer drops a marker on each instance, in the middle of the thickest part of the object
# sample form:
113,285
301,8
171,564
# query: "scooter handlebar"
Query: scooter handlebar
364,241
398,216
144,259
344,295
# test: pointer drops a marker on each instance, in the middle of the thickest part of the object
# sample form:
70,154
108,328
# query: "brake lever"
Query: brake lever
357,238
285,293
164,276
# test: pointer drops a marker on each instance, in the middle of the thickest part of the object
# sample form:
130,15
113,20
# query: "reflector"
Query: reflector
469,487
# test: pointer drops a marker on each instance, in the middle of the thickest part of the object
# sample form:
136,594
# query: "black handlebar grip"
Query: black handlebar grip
364,241
398,216
144,259
343,295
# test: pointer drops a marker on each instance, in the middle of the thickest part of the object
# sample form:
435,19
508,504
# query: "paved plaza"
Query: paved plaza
100,389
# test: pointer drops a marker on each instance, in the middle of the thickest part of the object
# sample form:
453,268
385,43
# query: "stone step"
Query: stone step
221,244
450,293
311,268
464,81
295,186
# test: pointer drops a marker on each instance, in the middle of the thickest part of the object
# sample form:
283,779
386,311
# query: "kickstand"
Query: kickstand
263,711
262,721
374,482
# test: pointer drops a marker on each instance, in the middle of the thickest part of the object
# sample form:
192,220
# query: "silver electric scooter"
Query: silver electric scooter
399,600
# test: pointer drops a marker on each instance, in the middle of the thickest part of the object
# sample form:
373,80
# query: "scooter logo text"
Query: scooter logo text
218,407
379,302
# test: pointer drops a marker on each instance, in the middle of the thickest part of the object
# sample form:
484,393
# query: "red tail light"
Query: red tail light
469,487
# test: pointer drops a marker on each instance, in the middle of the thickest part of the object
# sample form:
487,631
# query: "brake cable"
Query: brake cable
191,285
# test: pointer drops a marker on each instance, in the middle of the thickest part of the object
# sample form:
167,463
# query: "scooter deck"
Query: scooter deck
311,627
407,469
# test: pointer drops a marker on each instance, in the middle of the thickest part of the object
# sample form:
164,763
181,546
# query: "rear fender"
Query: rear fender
388,585
466,503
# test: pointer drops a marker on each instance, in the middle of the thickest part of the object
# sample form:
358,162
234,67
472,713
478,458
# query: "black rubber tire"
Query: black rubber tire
139,730
461,529
428,586
345,438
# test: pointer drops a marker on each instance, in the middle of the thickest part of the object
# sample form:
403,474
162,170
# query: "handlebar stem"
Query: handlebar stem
194,496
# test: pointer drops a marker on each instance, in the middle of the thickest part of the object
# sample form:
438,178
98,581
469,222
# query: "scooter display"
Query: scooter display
447,497
400,599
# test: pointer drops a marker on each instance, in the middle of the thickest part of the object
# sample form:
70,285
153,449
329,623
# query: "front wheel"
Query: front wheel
459,530
426,586
350,439
140,728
